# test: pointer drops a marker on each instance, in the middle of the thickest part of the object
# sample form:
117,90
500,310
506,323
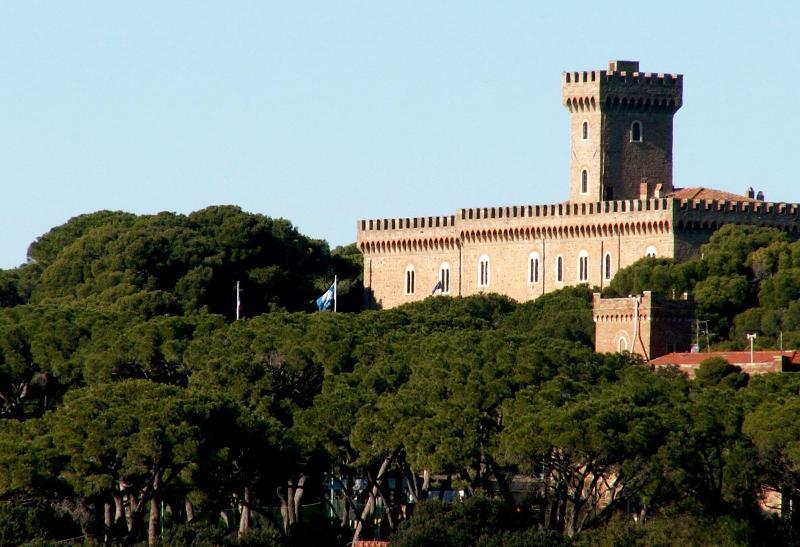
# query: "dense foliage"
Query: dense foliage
133,408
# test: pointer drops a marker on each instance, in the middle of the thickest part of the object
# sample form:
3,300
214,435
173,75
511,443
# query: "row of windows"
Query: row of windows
442,285
635,134
534,271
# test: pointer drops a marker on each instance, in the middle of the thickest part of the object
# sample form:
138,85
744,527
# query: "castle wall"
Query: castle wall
507,237
626,230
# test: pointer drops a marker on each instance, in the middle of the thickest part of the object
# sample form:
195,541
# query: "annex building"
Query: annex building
622,206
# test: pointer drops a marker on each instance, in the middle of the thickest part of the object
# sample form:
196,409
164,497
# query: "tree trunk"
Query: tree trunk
152,528
298,496
370,506
224,516
244,520
426,484
290,501
284,510
119,508
130,510
108,523
189,511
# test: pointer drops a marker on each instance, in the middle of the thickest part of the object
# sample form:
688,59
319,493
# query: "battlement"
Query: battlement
406,223
564,209
622,85
744,206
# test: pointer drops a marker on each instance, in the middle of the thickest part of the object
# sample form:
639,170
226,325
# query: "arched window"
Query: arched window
650,251
583,266
483,271
584,181
444,277
607,266
410,279
622,344
533,267
585,131
559,269
636,131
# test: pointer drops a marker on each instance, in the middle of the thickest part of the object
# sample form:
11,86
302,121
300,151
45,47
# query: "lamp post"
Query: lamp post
751,337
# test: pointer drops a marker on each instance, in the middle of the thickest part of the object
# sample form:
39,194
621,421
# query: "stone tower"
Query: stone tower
644,324
620,132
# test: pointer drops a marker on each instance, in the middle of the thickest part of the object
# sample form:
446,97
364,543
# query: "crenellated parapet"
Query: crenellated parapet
515,223
713,214
621,87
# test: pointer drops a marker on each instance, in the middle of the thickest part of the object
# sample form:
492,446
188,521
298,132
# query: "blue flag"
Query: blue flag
325,301
438,287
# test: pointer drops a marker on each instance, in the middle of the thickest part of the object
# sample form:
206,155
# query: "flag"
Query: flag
327,299
438,287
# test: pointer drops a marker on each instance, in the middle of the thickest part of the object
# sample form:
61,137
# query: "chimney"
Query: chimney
644,190
623,66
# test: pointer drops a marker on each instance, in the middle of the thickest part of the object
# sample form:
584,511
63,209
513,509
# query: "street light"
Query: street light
751,337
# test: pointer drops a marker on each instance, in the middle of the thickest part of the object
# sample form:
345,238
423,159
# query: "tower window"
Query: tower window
585,131
533,268
410,279
583,266
444,277
607,266
651,252
636,131
559,269
584,181
483,271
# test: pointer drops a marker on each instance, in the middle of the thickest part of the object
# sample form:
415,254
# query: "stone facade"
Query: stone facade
629,208
643,324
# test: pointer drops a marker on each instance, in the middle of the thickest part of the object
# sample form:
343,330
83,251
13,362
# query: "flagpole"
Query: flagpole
238,300
335,296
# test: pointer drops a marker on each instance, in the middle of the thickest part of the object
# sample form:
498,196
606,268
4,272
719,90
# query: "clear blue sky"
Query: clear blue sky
327,112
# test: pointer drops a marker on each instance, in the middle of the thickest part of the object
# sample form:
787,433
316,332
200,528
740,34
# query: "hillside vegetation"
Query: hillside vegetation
133,408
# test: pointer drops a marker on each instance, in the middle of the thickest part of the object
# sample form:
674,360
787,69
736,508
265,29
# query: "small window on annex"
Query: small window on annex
585,131
410,279
584,181
444,277
533,267
483,271
583,266
650,251
607,266
636,131
559,269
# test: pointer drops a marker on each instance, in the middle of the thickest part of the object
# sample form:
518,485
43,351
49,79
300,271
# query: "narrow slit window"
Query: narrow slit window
559,269
584,181
410,280
607,268
583,266
533,268
483,271
585,131
636,132
444,277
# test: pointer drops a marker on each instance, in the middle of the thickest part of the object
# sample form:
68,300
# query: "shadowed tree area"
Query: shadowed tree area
134,409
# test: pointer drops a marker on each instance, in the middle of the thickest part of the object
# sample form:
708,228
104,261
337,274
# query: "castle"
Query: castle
622,206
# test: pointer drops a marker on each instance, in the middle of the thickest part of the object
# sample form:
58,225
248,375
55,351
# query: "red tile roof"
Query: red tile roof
701,193
733,357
